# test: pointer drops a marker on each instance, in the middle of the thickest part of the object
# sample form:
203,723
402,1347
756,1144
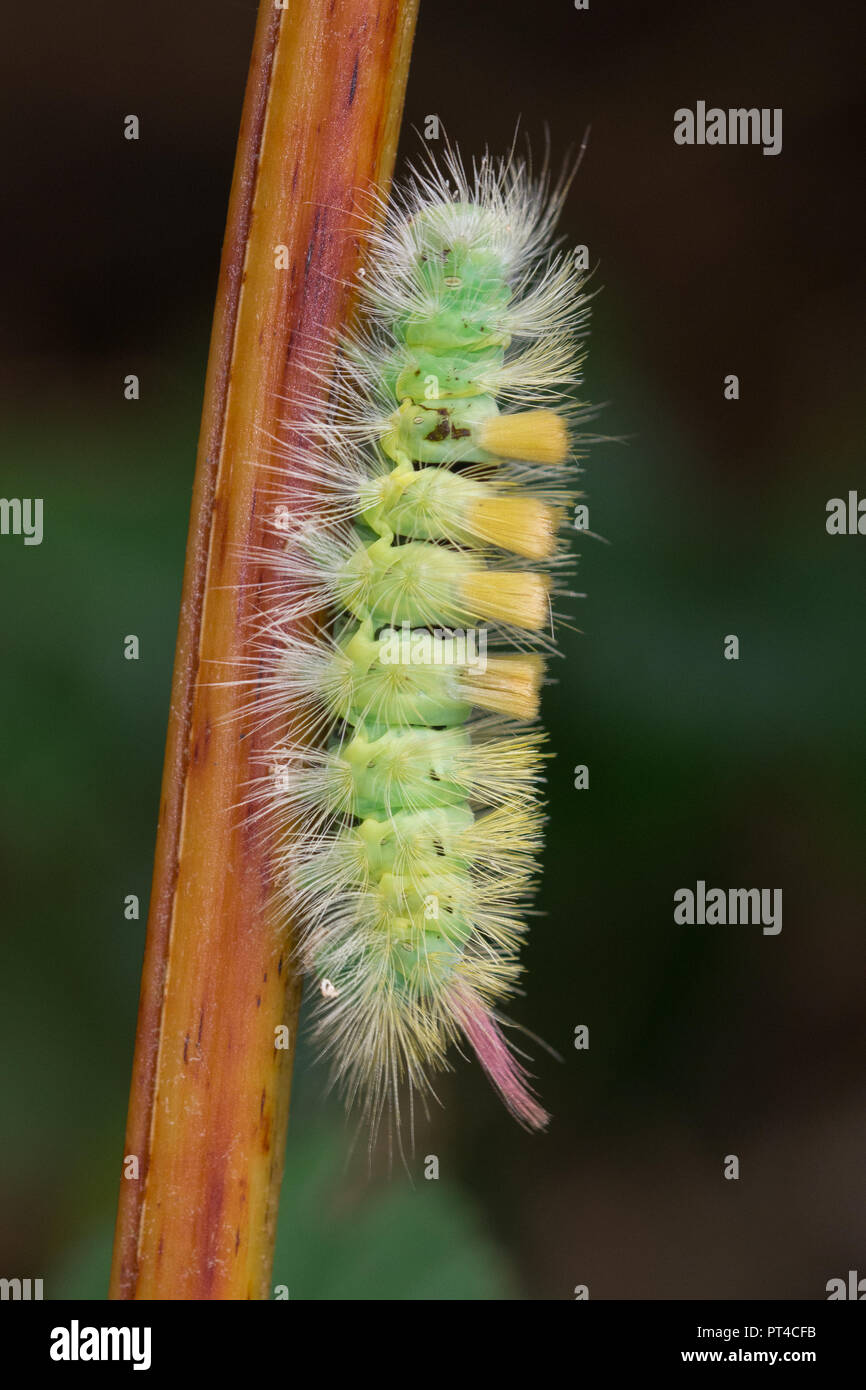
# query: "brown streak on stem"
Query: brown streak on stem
210,1092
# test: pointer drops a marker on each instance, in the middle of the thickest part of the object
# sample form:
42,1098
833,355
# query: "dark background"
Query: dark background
704,1041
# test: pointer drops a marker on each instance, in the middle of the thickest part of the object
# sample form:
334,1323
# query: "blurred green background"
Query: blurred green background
703,1041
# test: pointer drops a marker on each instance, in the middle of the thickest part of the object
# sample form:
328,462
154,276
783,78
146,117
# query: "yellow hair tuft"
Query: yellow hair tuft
521,524
518,597
508,685
536,436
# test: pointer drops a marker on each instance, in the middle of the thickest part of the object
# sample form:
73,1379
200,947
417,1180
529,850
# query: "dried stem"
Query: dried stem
210,1091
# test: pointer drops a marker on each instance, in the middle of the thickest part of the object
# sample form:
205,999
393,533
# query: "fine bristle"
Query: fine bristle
518,597
536,436
520,524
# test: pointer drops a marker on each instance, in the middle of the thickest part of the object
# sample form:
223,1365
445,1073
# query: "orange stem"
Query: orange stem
210,1091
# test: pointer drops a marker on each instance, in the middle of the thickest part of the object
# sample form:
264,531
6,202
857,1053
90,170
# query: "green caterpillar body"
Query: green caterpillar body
421,803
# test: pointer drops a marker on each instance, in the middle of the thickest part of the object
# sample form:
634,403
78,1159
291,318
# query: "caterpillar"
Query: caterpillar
412,618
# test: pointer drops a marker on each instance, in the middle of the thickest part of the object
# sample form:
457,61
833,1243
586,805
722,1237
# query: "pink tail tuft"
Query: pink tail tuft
497,1059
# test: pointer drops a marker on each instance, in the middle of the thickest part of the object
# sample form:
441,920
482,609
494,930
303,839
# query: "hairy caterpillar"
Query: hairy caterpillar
406,805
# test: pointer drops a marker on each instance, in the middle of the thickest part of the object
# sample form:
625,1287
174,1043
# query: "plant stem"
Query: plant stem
210,1091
